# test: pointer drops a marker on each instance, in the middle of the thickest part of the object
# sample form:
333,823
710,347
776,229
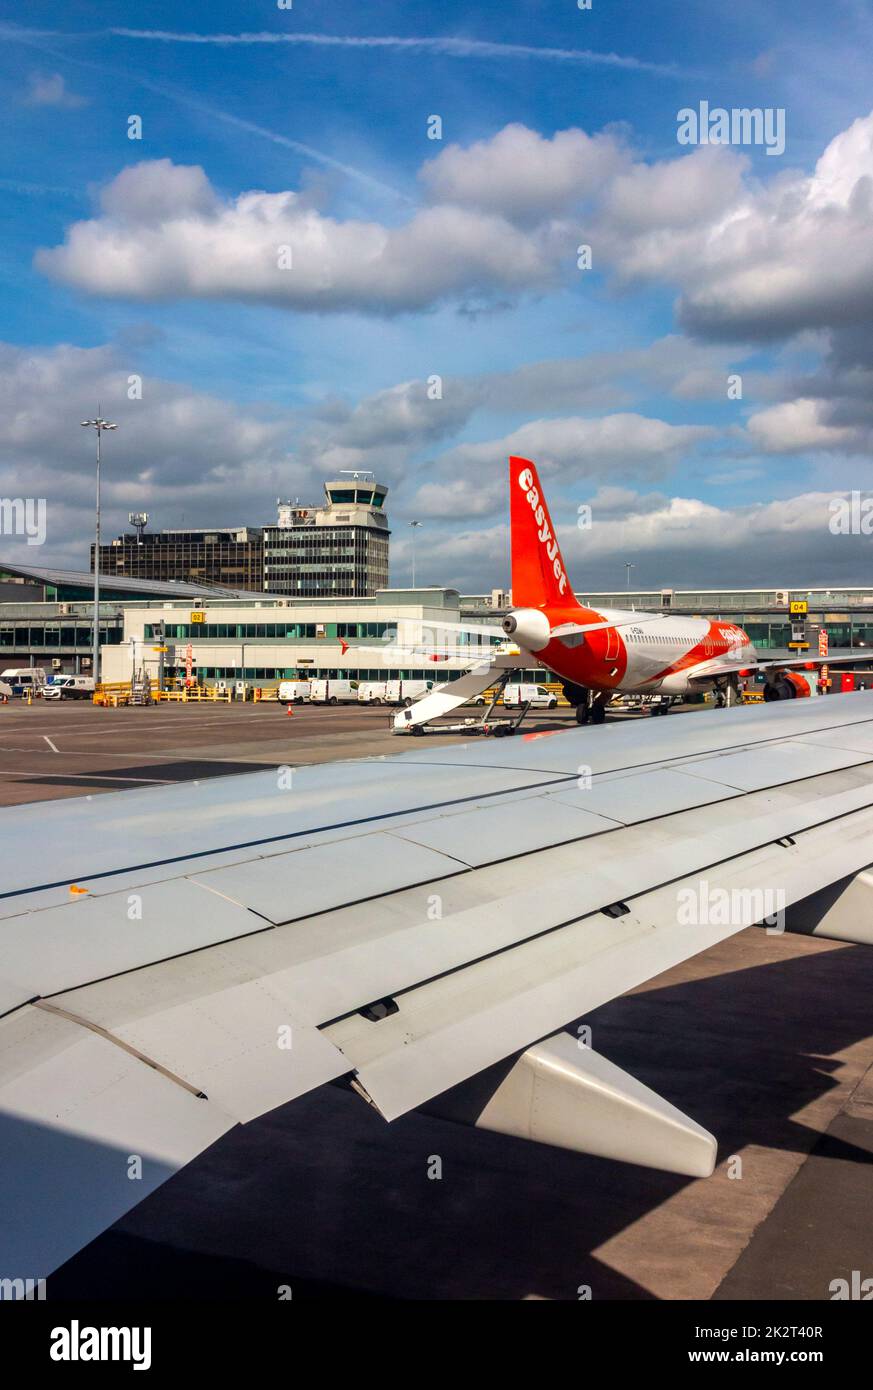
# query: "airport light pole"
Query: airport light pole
413,525
628,566
98,424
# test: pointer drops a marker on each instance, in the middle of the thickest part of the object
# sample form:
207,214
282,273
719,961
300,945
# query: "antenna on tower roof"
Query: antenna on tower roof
140,521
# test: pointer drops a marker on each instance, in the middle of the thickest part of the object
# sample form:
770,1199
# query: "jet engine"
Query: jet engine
786,685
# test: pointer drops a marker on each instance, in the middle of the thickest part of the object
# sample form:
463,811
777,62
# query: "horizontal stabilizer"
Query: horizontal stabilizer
570,1096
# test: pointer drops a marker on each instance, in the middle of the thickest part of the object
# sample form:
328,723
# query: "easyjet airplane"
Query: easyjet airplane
598,652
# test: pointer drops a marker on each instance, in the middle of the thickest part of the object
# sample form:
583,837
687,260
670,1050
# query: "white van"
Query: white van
24,678
372,692
290,692
333,692
70,688
537,696
405,692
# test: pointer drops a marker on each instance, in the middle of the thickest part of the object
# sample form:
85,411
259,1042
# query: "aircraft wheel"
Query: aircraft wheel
582,714
598,713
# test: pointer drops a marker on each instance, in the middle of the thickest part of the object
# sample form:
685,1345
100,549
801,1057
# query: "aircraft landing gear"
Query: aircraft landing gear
598,709
592,710
727,692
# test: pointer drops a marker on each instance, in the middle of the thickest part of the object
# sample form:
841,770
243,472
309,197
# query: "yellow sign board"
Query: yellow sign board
198,617
799,646
798,606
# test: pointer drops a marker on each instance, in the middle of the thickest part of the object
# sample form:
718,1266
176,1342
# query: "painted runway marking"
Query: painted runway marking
50,744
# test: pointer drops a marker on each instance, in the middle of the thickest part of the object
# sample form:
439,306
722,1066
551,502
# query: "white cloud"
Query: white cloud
470,479
521,175
751,260
165,233
51,90
671,194
794,426
775,260
177,450
678,541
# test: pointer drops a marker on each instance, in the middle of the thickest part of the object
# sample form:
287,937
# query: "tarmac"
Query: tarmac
764,1039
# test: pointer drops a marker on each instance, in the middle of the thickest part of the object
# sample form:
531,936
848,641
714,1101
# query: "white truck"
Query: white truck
372,692
333,692
292,692
69,688
406,692
21,679
537,696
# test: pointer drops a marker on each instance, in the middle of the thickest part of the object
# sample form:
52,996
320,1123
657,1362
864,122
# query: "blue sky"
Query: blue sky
414,257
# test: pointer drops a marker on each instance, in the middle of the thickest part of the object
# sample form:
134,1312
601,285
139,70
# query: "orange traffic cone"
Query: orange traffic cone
289,711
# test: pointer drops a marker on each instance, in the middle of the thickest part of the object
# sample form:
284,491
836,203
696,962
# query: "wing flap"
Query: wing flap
453,1027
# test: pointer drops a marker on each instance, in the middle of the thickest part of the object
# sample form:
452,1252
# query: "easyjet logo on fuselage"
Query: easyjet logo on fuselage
546,539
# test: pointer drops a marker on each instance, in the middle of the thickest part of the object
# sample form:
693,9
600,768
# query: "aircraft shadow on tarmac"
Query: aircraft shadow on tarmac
323,1196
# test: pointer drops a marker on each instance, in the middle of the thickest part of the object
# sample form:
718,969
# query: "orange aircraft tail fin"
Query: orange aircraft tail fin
539,576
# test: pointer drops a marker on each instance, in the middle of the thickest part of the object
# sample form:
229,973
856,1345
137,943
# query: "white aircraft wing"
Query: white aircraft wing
401,924
770,662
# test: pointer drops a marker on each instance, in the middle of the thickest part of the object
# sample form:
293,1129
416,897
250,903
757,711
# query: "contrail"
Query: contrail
216,113
28,36
448,47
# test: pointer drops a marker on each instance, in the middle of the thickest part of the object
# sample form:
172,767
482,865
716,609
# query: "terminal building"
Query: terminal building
262,637
335,550
228,556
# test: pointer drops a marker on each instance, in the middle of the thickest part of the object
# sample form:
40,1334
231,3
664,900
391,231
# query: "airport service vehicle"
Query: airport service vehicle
599,652
290,692
405,692
372,692
333,692
535,696
560,891
24,678
69,688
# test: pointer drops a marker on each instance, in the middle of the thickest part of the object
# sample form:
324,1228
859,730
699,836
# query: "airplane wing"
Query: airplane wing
179,960
777,663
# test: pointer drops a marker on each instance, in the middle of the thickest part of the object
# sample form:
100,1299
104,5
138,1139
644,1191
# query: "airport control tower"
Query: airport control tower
338,550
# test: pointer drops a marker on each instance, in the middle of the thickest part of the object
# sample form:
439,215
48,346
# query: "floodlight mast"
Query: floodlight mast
98,424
